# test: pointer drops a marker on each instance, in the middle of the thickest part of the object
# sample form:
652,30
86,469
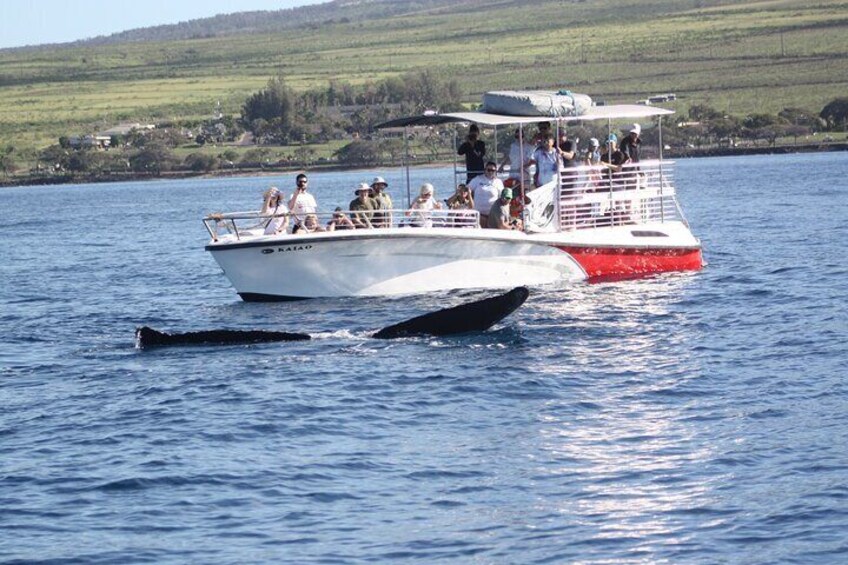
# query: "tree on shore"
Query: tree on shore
835,113
359,152
270,112
7,162
152,158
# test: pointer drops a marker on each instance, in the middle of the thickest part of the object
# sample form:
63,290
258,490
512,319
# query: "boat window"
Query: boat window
644,233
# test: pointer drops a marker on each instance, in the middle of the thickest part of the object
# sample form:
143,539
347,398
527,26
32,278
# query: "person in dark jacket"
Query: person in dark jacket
475,153
630,144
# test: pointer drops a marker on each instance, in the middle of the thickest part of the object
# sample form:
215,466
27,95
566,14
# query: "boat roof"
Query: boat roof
612,112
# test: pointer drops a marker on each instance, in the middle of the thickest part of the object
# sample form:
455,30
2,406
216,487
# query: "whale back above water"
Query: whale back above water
476,316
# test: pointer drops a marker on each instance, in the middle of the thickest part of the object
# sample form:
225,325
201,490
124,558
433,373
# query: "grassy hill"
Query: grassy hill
738,56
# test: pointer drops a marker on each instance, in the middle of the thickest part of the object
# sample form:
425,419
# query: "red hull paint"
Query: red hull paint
627,261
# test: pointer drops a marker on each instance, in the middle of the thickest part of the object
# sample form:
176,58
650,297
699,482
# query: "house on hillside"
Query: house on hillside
126,129
88,141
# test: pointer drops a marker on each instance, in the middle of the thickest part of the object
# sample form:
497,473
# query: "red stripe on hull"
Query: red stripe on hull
628,261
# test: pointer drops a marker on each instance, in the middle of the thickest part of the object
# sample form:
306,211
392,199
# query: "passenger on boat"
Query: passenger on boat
612,180
544,128
384,202
363,207
274,206
302,204
340,221
593,155
309,225
461,200
518,167
612,160
593,160
631,142
421,210
547,160
499,214
474,151
568,155
485,190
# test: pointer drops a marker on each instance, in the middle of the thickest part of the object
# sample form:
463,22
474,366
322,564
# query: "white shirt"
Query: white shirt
421,212
304,204
277,222
515,161
485,191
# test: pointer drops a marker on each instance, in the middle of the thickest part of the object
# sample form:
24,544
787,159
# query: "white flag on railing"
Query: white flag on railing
542,209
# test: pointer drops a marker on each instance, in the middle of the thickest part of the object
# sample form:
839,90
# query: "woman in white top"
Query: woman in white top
421,208
274,206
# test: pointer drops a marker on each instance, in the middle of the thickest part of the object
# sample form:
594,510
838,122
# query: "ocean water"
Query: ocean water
683,418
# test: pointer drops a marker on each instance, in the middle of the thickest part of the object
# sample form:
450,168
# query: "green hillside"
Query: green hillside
737,56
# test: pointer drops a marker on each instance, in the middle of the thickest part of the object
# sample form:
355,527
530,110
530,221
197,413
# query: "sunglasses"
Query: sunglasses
300,182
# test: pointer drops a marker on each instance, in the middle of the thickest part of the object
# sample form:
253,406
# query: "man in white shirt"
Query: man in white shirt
486,189
302,203
517,150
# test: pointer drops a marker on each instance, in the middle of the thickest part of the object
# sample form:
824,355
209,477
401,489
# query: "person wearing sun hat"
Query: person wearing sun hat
362,206
631,142
383,201
274,206
499,213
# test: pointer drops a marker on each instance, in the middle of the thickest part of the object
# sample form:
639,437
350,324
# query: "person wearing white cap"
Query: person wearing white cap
363,207
421,208
593,156
383,201
631,142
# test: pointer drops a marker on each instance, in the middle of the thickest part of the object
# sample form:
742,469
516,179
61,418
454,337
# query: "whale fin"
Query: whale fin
146,337
475,316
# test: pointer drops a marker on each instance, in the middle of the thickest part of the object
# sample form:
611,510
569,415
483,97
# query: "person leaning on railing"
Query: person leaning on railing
421,211
340,221
500,217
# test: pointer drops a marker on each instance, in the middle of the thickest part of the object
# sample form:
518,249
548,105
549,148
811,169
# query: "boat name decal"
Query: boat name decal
288,248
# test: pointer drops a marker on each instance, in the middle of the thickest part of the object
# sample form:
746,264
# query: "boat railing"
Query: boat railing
242,225
597,196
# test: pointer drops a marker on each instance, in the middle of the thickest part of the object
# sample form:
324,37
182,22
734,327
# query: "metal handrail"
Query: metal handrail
238,225
594,196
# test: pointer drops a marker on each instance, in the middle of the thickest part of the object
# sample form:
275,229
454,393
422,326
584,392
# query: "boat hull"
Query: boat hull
384,263
406,261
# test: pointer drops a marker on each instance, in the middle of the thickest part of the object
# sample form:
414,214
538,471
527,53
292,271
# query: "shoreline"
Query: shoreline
30,180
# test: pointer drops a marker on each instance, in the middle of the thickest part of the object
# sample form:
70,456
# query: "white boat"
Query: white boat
588,226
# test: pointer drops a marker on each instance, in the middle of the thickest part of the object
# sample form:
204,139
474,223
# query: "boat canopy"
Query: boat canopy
612,112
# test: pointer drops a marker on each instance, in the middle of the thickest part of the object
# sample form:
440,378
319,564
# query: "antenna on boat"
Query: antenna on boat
406,159
662,177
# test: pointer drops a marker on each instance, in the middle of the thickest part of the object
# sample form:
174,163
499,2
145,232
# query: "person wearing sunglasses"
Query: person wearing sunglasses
302,203
485,190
